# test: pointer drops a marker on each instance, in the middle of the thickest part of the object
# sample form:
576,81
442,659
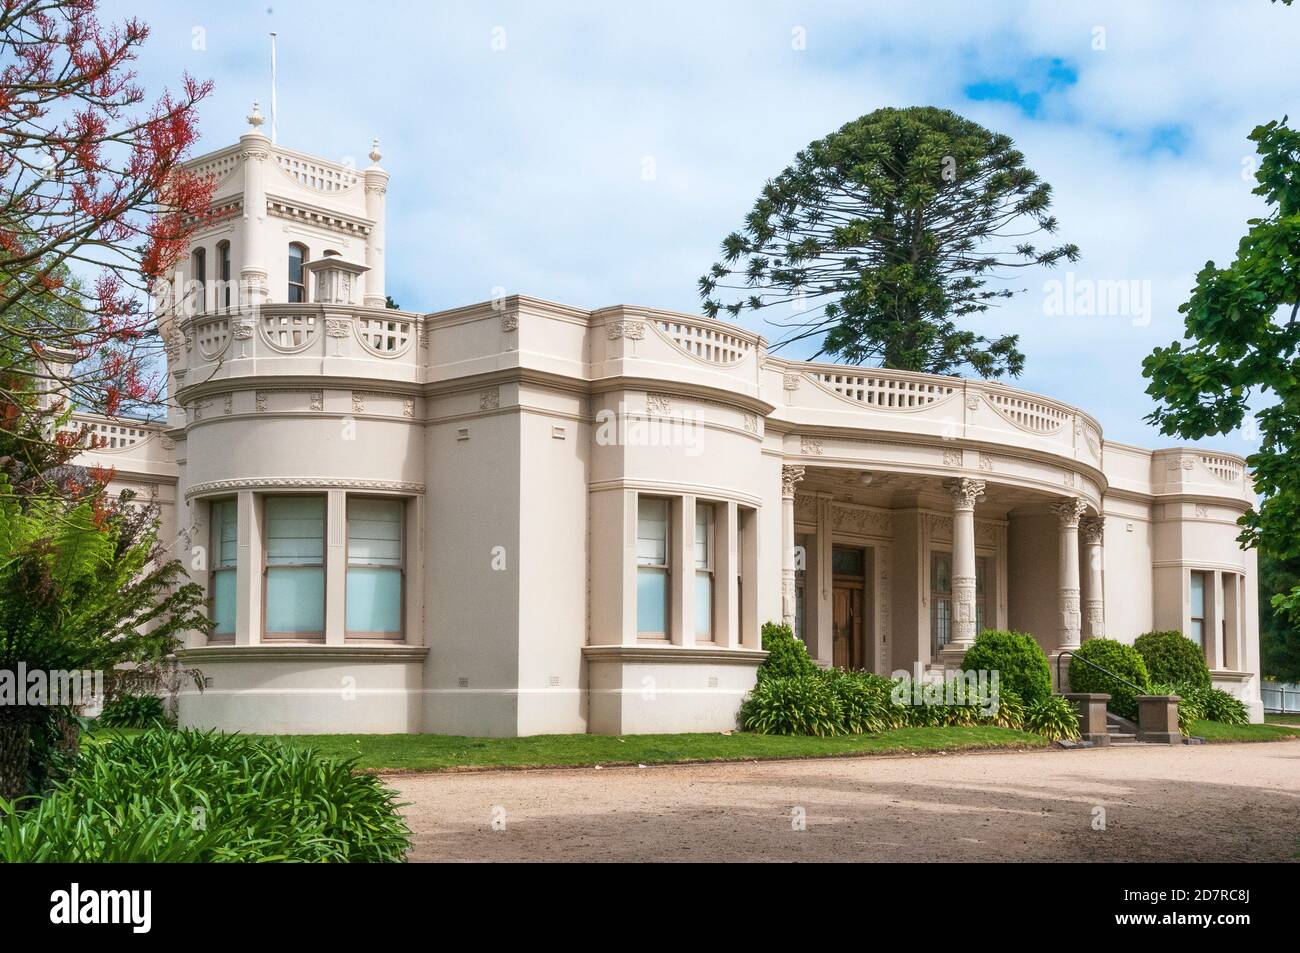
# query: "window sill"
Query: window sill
279,652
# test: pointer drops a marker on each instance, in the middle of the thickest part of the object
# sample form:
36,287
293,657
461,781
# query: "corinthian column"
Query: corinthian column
789,477
1067,514
1091,529
965,494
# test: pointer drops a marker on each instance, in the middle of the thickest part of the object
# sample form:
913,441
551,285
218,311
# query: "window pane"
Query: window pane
703,533
1198,632
374,600
703,605
652,601
942,571
295,599
223,602
847,562
652,532
295,264
375,532
1198,595
295,530
225,533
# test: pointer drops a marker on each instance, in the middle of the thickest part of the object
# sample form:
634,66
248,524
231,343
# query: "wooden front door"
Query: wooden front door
847,628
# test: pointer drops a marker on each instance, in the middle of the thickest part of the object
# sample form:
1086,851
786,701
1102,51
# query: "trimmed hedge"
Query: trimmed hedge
1019,661
787,657
1173,658
1119,658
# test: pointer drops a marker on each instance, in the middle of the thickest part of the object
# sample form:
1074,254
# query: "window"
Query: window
297,286
982,576
1197,634
940,601
374,586
704,571
223,267
801,549
199,272
221,587
652,568
295,567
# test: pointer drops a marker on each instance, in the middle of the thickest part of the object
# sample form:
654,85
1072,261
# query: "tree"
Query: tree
93,186
895,224
85,585
1243,346
1279,636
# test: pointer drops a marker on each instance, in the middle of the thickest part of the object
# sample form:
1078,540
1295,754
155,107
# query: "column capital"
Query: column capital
1092,529
790,475
1069,511
965,492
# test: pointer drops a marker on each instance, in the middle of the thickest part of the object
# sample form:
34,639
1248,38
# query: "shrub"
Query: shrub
132,711
865,703
1017,658
787,657
1215,704
1053,717
186,796
1011,710
1119,658
1174,659
793,705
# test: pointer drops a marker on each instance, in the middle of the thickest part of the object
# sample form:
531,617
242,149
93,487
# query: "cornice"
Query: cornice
217,487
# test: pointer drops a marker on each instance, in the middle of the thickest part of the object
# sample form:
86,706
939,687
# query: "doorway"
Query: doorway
848,608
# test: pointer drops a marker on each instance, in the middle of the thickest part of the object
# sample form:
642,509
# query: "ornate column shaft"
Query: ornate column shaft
376,187
1067,514
965,494
256,152
1092,529
789,477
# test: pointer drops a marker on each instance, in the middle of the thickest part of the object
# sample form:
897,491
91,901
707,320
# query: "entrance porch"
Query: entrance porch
890,571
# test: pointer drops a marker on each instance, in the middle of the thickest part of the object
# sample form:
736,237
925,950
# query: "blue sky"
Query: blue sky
523,167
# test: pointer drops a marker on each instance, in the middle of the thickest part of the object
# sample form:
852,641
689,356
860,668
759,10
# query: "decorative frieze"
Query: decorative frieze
489,399
658,404
811,446
632,330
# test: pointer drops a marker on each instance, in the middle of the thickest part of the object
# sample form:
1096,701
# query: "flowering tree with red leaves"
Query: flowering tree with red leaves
97,203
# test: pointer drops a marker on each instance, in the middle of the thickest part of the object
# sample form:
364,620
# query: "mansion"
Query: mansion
519,517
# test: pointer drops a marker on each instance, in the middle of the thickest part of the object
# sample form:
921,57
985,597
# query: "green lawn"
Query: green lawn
451,752
1290,719
1217,731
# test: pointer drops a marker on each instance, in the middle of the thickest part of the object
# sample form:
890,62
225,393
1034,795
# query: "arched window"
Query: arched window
199,272
223,265
297,285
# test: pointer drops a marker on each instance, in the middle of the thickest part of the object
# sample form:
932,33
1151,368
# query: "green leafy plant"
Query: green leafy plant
1214,704
787,657
1011,710
793,705
865,703
1052,717
1173,658
1124,661
132,711
1018,659
187,796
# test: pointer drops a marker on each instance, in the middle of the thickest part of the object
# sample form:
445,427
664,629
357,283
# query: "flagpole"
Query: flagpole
273,138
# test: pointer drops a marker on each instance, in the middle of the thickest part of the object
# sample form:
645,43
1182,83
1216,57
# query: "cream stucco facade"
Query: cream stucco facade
519,517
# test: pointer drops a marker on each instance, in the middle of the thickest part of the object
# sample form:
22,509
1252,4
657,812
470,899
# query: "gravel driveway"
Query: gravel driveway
1228,802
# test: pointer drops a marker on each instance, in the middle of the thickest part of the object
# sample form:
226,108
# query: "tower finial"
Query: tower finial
375,154
255,118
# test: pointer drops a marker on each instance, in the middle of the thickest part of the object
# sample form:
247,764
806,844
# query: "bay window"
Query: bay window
375,568
295,568
652,567
1197,634
224,544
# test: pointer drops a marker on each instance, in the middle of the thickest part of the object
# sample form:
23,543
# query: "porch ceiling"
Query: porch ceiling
893,490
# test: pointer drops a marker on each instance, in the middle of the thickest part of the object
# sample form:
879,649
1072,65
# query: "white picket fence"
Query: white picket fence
1280,697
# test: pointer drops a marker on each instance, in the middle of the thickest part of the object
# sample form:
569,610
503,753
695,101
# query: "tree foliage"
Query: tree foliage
884,234
94,187
1243,348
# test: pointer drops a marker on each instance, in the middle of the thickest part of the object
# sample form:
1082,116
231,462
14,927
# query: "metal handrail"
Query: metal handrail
1104,671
